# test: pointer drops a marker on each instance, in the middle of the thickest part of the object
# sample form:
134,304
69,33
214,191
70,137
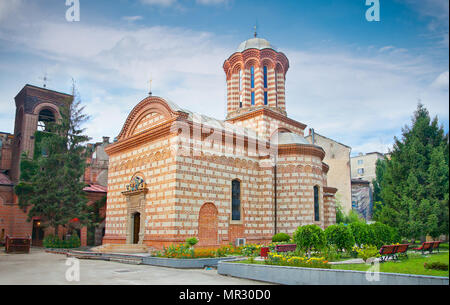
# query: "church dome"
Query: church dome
255,43
290,138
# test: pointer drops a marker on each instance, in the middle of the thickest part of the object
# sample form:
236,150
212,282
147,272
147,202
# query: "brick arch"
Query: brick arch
48,106
208,225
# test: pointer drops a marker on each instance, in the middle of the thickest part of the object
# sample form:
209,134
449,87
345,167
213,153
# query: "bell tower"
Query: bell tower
256,75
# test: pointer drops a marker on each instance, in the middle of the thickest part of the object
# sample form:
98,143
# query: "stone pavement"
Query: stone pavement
43,268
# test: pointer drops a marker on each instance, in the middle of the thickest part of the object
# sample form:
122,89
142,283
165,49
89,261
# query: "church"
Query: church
175,174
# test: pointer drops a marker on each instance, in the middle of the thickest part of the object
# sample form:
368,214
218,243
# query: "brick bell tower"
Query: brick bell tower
256,75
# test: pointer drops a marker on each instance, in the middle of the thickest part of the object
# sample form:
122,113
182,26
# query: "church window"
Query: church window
236,200
316,203
252,76
265,77
276,89
45,117
240,89
265,98
253,97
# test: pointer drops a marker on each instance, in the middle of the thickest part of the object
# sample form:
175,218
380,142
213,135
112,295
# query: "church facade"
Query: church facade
175,174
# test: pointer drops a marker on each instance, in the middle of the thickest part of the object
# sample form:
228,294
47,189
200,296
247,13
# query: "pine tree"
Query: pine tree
51,184
413,185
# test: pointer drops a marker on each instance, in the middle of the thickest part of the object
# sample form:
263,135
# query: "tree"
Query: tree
341,236
51,182
413,187
309,237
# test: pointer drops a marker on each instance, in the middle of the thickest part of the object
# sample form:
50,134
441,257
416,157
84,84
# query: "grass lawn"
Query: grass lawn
412,265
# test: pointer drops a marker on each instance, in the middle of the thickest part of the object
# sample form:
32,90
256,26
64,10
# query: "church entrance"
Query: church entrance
37,235
136,227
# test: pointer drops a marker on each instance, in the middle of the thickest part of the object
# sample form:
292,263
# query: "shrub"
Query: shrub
362,233
281,237
383,234
51,241
340,236
74,241
297,261
367,251
191,241
309,237
330,253
436,266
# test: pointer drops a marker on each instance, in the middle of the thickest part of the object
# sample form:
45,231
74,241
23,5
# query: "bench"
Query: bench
428,246
17,244
286,248
393,251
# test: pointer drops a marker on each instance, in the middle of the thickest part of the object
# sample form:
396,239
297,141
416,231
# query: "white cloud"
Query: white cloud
442,81
9,7
159,2
132,18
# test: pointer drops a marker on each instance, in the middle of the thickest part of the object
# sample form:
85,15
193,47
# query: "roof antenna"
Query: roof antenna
150,92
45,79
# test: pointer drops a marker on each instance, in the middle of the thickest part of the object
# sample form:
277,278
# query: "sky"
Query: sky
355,81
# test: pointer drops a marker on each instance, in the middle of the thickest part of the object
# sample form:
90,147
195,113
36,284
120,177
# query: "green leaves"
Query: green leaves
341,236
310,237
413,185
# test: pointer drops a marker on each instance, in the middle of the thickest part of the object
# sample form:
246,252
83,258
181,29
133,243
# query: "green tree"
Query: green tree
51,184
414,183
341,236
309,237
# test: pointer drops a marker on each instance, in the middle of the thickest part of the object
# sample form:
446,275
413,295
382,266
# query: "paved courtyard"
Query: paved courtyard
43,268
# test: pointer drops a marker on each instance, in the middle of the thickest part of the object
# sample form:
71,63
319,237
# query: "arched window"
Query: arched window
276,88
240,89
45,117
316,203
236,200
266,98
252,77
265,77
253,97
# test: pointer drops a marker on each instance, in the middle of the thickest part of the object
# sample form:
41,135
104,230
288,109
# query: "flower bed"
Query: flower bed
297,261
184,251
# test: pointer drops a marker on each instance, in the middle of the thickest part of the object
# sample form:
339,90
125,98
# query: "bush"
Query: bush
367,251
191,241
310,237
52,241
436,266
297,261
383,234
340,236
362,233
281,237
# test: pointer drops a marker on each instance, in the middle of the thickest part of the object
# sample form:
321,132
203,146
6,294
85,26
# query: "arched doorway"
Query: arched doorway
136,227
208,225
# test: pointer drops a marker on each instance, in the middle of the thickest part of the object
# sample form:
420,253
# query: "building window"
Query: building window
240,89
316,203
236,200
360,162
361,171
253,97
252,76
265,77
276,88
265,98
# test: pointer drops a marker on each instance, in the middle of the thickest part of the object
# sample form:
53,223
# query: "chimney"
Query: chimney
106,140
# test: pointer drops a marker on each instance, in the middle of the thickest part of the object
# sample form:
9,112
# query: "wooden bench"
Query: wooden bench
17,244
428,246
286,248
393,251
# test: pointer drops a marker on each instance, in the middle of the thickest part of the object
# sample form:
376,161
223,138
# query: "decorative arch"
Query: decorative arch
151,104
208,225
47,106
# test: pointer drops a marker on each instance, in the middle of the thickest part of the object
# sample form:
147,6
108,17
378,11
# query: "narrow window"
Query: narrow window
236,200
316,203
252,76
253,97
276,88
265,77
265,98
240,89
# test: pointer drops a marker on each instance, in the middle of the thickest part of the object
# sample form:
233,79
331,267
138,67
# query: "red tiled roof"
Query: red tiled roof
95,188
4,180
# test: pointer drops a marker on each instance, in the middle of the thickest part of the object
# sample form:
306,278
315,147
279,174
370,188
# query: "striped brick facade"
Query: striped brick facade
188,162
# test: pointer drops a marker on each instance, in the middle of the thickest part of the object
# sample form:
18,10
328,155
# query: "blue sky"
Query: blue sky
352,80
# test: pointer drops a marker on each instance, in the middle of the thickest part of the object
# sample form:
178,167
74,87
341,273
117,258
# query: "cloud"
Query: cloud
360,98
442,81
159,2
132,18
8,8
